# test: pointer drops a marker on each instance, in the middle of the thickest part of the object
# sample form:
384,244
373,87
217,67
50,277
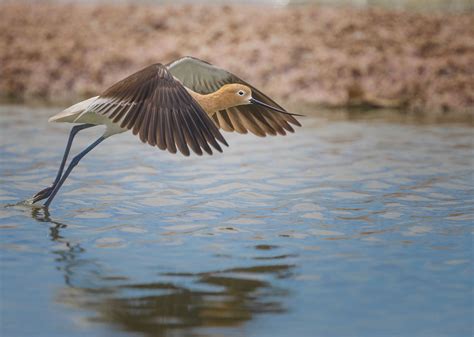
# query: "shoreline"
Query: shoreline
314,55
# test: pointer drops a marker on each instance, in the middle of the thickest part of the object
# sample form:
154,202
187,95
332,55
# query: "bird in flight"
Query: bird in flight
178,106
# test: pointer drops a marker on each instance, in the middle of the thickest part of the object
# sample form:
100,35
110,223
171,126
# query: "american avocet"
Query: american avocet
174,107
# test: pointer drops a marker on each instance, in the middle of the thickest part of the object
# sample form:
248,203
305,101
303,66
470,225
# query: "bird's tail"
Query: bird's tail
70,114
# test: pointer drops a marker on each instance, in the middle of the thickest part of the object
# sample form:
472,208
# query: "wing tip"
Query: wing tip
223,141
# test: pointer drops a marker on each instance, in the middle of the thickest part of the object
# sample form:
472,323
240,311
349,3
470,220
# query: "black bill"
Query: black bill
254,101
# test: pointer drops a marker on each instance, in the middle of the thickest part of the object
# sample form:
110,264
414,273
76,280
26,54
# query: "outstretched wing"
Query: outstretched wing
204,78
154,105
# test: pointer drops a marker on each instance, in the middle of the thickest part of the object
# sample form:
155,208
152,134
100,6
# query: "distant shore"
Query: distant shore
321,56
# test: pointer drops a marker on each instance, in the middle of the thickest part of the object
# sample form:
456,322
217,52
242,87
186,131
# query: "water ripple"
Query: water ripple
345,221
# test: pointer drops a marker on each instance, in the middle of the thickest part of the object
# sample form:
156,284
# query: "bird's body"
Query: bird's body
180,106
212,103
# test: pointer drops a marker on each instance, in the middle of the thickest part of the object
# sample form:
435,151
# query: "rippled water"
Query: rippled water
346,228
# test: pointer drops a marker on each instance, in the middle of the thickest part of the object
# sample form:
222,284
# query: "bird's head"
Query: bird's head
239,94
236,94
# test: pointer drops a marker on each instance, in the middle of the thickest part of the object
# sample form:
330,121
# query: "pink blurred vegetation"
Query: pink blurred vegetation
313,55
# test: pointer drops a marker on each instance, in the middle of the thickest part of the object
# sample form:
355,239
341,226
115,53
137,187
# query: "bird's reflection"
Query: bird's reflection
231,297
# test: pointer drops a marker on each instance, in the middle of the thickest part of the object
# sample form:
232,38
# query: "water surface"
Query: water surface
347,228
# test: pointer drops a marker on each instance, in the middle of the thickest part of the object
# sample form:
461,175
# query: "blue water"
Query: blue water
346,228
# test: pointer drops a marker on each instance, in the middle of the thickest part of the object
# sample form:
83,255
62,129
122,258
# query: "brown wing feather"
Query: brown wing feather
158,108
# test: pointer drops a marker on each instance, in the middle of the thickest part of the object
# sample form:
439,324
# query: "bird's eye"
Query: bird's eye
241,93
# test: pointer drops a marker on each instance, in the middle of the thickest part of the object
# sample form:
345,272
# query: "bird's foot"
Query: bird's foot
43,194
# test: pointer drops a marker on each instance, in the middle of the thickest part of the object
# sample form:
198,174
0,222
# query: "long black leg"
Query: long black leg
73,164
43,194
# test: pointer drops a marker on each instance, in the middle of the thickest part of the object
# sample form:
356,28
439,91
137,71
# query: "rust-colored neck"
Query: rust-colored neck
213,102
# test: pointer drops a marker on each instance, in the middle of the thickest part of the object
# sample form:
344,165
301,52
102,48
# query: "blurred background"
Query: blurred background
358,224
415,55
